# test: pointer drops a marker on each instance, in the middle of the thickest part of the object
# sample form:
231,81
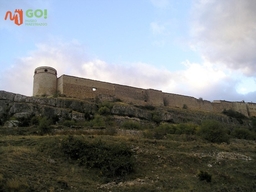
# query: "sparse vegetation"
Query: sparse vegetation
234,114
104,110
213,131
156,117
243,133
147,107
44,125
111,160
203,175
120,153
131,125
185,106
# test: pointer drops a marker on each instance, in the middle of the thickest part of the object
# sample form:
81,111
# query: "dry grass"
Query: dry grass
35,163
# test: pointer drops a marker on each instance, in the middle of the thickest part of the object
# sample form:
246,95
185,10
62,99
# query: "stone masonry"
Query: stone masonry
82,88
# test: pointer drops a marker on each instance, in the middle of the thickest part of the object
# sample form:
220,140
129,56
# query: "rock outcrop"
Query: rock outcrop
20,106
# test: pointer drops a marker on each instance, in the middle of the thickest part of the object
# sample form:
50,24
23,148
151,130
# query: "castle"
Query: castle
46,83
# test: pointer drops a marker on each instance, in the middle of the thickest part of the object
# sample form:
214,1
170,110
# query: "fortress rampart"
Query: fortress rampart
47,83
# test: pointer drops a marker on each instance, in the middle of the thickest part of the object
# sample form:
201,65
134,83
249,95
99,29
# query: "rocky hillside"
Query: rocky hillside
16,106
62,144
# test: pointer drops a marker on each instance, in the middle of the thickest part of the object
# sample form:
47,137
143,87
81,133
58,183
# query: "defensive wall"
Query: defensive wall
83,88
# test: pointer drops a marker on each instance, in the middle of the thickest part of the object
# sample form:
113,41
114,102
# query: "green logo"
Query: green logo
38,13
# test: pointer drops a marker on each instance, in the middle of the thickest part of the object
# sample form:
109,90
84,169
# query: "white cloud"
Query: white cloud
224,32
66,57
198,80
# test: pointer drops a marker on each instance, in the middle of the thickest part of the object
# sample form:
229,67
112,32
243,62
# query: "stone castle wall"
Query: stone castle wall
252,109
82,88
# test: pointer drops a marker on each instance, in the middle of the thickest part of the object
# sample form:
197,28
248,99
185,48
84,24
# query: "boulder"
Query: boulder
11,123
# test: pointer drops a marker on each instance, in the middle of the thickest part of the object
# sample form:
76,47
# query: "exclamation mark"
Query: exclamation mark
45,13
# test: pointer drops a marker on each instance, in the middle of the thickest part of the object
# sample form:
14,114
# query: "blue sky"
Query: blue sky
191,47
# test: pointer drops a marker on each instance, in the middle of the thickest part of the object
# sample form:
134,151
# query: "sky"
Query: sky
199,48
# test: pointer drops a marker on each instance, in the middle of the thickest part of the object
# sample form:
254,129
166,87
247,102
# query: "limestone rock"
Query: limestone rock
11,123
77,116
126,110
23,114
6,96
21,106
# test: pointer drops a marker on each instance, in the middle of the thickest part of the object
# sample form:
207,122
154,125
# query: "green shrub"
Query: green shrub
34,120
88,115
238,116
69,123
106,104
203,175
213,131
104,110
243,133
186,128
3,118
98,122
131,125
167,128
117,100
44,125
253,123
185,106
156,117
160,132
115,160
111,131
147,107
16,184
24,121
54,119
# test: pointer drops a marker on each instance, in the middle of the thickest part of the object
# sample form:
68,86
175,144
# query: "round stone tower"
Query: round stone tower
45,81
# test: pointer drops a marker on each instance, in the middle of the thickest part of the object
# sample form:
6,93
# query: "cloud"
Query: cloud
224,32
66,57
198,80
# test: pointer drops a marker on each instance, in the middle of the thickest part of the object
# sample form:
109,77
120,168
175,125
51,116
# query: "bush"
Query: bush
131,125
113,160
186,128
106,104
160,132
243,133
34,120
44,125
156,117
253,123
98,122
238,116
69,123
213,131
24,121
203,175
147,107
185,106
3,118
16,184
104,110
111,131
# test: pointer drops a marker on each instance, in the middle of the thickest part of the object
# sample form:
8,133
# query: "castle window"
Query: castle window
35,72
94,89
45,70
